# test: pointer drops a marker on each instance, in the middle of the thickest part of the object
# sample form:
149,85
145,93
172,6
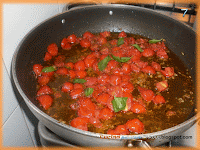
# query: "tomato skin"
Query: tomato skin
79,65
159,99
135,125
80,123
147,95
53,49
44,90
121,130
65,44
115,80
168,72
69,65
37,68
76,93
67,87
71,38
85,43
78,86
148,52
162,54
62,71
103,98
106,114
45,100
156,66
162,86
47,56
138,108
89,61
43,80
85,112
122,34
126,68
81,74
148,70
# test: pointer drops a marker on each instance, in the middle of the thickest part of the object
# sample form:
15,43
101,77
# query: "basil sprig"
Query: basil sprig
48,69
119,103
138,47
122,59
79,81
155,41
89,91
102,64
120,41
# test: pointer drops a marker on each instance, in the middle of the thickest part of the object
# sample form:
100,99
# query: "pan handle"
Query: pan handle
137,143
76,5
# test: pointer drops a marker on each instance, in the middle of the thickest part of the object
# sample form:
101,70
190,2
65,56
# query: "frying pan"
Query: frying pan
97,18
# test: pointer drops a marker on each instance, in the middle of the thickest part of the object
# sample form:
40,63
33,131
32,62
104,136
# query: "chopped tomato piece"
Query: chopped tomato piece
106,114
67,87
147,95
135,125
162,86
80,123
53,49
44,90
79,65
47,56
45,100
37,68
159,99
168,72
62,71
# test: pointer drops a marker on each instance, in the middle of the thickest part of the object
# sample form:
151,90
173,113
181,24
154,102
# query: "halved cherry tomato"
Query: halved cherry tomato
147,95
37,68
69,65
162,86
148,52
44,90
105,34
90,81
103,79
122,34
81,74
43,80
79,65
127,87
138,108
45,100
156,66
67,87
78,86
159,99
148,69
47,56
72,74
76,93
121,130
88,35
80,123
62,71
103,98
168,72
71,38
53,49
106,114
65,44
126,68
135,125
85,43
115,80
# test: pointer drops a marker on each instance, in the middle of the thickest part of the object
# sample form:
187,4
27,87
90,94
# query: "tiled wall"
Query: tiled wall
19,124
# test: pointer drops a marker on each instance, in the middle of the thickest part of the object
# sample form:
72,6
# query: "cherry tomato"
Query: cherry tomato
78,86
94,47
69,65
126,68
121,130
62,71
104,51
117,71
85,112
147,95
156,66
127,87
88,35
126,78
81,74
137,108
162,54
72,74
37,68
141,64
45,100
43,80
101,41
90,81
106,114
162,86
80,123
159,99
76,93
149,70
168,72
65,44
47,56
105,34
67,87
53,49
122,34
135,68
103,79
85,43
89,61
148,52
103,98
79,65
135,125
44,90
115,80
113,42
49,74
71,38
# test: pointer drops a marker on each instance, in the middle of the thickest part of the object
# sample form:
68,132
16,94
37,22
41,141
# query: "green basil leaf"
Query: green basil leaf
155,41
48,69
119,103
102,64
79,81
122,59
138,47
89,91
120,41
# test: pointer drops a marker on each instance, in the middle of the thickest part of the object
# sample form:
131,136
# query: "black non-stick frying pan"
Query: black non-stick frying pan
97,18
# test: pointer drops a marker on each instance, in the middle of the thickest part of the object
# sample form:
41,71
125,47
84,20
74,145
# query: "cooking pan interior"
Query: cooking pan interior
115,18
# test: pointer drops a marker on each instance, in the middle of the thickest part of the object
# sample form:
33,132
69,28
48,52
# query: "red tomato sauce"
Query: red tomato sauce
114,83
